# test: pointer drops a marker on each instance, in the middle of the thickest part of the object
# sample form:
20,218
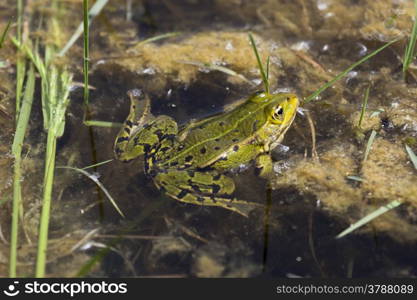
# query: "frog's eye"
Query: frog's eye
278,113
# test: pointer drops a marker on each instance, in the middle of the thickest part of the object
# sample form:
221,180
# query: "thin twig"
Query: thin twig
314,154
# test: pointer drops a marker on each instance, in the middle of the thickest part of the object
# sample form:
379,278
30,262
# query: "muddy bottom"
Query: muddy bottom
321,181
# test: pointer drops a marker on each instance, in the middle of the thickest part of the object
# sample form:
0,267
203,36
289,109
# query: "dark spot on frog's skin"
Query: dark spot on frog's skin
195,188
146,147
127,129
216,140
235,148
191,173
159,134
288,98
216,177
215,188
169,136
182,194
165,149
188,158
122,139
235,140
221,123
255,126
129,123
173,164
216,148
203,150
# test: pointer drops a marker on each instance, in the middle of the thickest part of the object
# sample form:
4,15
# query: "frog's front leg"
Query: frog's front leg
141,131
203,188
263,165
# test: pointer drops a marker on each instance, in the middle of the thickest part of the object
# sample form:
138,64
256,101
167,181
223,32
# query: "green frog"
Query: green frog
191,163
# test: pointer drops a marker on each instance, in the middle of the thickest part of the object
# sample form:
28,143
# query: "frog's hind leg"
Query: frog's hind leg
203,188
141,130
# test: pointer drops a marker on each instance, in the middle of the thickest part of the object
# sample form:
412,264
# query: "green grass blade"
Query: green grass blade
343,73
355,178
412,156
364,106
61,101
410,48
98,257
56,90
94,11
20,78
102,124
369,144
368,218
25,111
4,34
267,68
98,164
22,123
86,51
42,70
19,19
158,37
20,61
99,184
216,68
46,204
261,68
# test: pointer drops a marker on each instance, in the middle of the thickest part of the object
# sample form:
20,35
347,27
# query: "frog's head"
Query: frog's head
280,110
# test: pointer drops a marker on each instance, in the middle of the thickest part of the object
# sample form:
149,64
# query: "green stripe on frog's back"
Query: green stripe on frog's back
210,139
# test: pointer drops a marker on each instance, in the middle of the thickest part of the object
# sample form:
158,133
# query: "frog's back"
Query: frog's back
209,140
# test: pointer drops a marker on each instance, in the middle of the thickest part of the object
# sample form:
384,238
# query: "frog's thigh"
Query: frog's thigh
203,188
132,142
263,165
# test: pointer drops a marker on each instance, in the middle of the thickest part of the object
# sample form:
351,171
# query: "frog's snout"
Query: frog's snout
293,101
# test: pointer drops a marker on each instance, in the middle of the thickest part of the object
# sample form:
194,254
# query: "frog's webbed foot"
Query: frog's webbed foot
203,188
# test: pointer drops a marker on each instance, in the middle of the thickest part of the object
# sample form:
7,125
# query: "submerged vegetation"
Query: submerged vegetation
350,160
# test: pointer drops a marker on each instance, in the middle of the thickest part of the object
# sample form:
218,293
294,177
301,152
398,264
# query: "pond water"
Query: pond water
309,199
